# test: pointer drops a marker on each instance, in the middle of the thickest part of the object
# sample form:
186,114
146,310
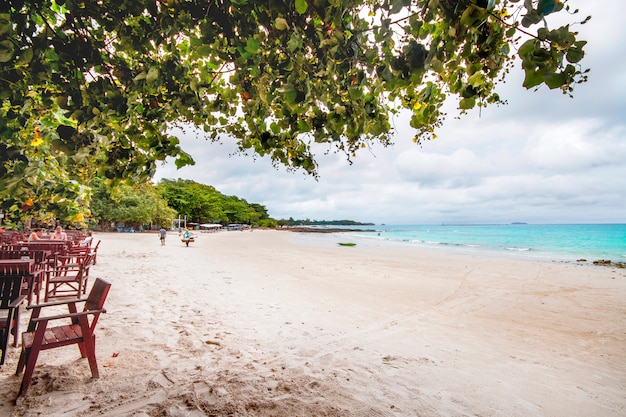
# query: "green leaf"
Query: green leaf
25,57
355,93
62,120
141,76
527,48
281,23
301,6
396,6
153,75
531,18
575,55
467,103
545,7
5,24
204,50
294,43
252,46
7,49
554,80
290,97
478,79
466,17
532,78
304,126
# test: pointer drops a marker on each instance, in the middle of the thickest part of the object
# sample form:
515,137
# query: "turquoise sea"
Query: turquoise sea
544,241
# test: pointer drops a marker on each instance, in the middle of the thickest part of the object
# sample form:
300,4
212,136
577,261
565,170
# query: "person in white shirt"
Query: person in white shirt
86,242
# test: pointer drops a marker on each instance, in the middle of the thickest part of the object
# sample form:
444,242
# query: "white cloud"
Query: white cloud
459,169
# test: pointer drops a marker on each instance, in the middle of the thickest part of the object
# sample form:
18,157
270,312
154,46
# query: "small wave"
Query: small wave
519,249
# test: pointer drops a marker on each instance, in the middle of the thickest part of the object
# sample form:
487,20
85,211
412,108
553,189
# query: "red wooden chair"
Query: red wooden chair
10,301
69,276
77,330
26,268
33,284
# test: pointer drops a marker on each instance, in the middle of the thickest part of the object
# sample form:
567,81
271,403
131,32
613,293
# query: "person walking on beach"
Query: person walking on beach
162,234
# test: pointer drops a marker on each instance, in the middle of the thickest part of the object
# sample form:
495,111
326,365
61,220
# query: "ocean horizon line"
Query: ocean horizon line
567,241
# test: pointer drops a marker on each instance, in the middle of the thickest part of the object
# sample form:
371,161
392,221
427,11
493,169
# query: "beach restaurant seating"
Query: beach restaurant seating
10,237
26,268
33,275
10,301
78,329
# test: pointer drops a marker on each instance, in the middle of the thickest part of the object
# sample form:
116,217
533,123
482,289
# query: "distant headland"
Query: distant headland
307,222
323,226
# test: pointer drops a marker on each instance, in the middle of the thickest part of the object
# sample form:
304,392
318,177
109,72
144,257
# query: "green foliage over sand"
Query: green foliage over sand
92,87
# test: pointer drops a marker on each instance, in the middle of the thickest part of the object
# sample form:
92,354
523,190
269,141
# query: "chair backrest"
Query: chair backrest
85,261
74,260
10,287
37,255
12,254
96,298
79,250
16,267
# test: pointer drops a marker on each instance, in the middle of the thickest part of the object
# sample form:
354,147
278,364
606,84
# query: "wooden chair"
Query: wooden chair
10,301
77,330
69,275
26,268
35,275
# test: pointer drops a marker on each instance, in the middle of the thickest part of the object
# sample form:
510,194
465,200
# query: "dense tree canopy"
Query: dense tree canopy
140,204
202,203
96,86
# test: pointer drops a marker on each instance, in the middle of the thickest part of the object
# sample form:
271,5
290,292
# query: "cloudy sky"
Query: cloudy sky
543,158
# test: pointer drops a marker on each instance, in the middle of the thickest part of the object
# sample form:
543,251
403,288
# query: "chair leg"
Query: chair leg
5,344
22,361
46,294
29,355
16,328
39,281
88,347
30,367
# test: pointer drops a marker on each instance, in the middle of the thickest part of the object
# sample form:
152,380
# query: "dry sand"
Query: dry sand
272,323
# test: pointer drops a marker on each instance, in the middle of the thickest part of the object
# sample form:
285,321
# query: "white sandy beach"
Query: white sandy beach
274,323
